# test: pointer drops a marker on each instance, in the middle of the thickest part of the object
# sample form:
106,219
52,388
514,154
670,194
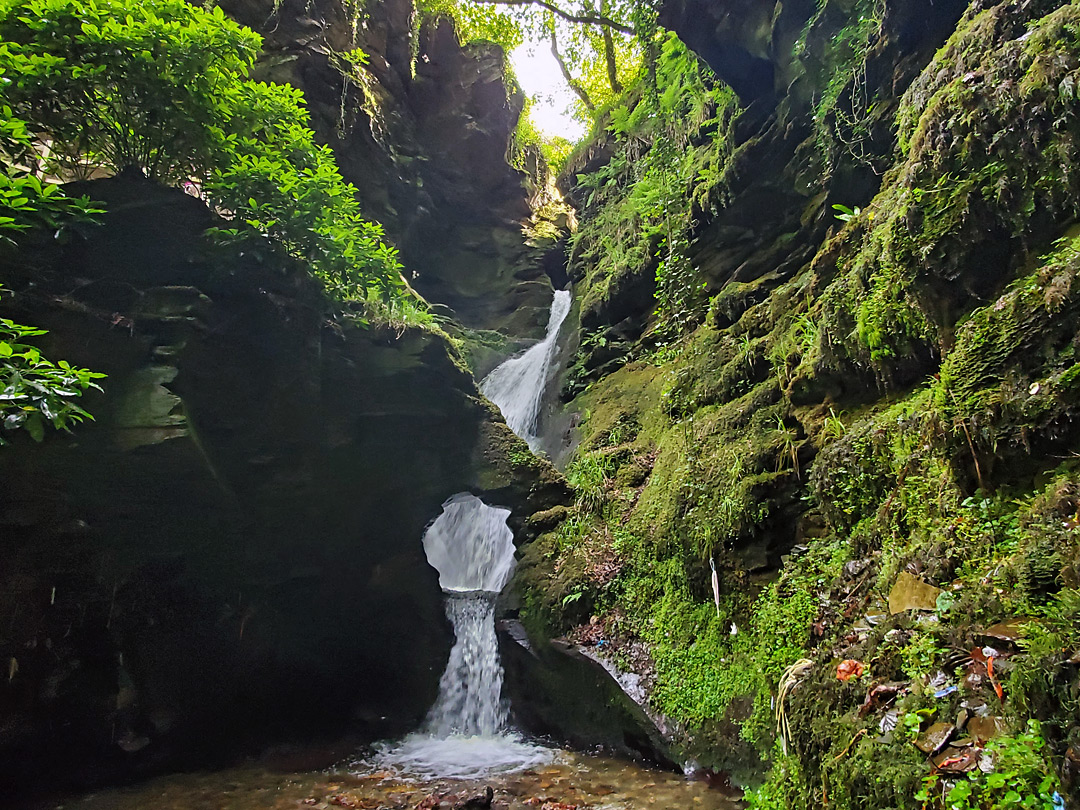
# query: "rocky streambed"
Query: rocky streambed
570,781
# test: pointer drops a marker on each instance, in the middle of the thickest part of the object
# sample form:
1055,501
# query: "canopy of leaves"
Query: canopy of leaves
26,201
592,41
124,84
161,86
476,22
34,392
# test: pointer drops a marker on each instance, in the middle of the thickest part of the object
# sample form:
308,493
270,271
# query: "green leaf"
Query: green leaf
35,427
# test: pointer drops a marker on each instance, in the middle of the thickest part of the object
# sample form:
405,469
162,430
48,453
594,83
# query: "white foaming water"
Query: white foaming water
424,757
517,386
470,690
469,544
465,735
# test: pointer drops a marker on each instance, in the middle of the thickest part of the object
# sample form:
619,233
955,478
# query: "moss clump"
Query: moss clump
1011,376
712,470
479,349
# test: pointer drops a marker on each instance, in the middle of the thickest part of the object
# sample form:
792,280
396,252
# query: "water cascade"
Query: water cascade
472,548
465,734
517,386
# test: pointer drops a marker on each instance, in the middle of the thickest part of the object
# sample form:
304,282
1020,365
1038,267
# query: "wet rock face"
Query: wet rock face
735,39
425,143
466,247
778,58
231,552
559,693
770,52
779,187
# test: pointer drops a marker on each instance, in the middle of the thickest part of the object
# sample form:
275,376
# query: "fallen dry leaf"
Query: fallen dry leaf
955,760
879,695
910,593
850,669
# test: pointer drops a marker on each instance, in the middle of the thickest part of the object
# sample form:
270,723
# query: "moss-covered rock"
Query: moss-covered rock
859,393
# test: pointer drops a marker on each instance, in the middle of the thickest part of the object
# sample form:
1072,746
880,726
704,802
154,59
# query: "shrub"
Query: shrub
161,87
34,391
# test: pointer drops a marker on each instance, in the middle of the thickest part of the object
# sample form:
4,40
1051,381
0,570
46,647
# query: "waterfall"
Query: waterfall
472,548
465,734
470,690
470,545
517,386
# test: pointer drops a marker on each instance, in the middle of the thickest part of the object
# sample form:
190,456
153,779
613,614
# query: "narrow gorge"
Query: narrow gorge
365,442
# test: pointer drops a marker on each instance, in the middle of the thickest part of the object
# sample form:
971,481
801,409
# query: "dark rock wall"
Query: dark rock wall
780,185
426,147
231,552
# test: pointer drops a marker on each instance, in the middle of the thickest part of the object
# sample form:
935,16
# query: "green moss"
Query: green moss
1012,368
735,427
477,348
671,149
967,171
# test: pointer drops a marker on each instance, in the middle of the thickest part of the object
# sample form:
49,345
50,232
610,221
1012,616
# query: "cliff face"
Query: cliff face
231,551
854,363
840,364
424,131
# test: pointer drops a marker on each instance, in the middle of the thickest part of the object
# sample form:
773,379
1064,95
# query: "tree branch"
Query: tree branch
575,85
609,50
609,59
587,19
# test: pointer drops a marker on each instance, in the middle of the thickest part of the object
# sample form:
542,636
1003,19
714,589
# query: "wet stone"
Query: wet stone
934,737
956,760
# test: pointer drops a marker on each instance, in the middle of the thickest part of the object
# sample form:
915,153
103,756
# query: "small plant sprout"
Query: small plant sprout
845,214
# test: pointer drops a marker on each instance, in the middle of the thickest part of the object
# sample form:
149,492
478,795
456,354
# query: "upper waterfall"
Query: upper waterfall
517,386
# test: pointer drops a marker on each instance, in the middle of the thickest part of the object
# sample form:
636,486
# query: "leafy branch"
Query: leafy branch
588,18
34,391
162,87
